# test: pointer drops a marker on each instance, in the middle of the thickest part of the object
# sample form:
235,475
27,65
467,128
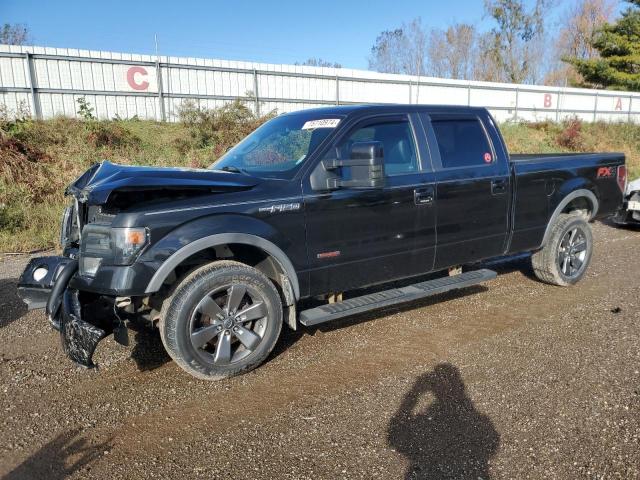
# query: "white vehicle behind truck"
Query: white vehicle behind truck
629,214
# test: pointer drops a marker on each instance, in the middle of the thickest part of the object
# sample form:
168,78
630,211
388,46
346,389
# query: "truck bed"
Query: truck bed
547,157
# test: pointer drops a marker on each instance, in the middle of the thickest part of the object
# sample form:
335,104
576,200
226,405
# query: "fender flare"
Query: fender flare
582,192
221,239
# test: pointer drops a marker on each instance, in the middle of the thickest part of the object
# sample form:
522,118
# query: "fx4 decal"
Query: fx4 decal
606,172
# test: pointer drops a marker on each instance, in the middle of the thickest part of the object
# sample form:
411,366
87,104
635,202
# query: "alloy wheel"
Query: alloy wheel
572,252
228,324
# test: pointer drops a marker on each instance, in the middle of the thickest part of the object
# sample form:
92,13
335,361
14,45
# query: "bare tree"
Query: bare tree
580,24
578,28
514,45
14,34
386,53
452,53
319,62
487,67
403,50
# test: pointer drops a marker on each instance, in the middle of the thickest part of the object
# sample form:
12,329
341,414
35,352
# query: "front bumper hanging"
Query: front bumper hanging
38,278
45,283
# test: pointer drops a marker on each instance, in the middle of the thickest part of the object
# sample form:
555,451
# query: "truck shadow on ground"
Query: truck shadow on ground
446,437
66,454
289,337
149,353
12,308
632,227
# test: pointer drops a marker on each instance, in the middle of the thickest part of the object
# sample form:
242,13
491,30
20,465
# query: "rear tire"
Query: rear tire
566,256
221,320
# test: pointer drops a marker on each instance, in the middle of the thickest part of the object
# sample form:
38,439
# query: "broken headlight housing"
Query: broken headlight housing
103,245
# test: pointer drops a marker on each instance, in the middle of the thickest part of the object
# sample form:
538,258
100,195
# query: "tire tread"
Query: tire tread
175,302
544,261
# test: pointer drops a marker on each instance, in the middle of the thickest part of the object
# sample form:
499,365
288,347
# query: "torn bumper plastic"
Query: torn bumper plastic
79,338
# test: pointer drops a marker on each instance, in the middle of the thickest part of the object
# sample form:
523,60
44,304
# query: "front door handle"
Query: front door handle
423,196
498,186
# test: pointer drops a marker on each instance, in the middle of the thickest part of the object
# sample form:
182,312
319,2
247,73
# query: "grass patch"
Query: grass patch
38,159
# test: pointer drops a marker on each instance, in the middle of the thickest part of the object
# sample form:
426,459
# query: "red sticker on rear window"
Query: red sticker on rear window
488,158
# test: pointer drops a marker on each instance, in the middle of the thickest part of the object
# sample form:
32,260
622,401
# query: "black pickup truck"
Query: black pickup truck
310,205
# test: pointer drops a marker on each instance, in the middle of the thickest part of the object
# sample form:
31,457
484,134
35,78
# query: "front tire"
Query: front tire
564,259
223,319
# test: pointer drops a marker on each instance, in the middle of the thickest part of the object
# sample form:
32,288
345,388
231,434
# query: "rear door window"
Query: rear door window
462,141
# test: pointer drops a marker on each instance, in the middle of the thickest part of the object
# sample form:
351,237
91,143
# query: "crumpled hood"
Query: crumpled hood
98,182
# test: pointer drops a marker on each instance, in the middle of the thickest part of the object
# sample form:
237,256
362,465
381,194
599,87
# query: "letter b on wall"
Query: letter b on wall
548,100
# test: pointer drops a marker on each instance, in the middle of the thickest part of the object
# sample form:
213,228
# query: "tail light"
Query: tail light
622,177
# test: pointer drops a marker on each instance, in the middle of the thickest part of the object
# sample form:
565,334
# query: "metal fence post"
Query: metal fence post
515,113
32,85
595,109
337,90
629,114
469,95
558,106
163,116
255,91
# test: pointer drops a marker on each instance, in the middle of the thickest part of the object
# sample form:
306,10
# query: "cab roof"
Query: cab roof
344,110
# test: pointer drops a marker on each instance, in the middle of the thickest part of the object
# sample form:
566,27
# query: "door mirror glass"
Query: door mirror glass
363,169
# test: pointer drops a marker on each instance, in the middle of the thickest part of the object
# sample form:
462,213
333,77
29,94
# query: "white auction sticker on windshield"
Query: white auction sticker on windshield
323,123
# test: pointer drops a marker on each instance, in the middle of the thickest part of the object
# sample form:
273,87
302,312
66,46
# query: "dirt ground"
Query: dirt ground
514,379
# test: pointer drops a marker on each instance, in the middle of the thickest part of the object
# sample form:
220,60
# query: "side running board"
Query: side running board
352,306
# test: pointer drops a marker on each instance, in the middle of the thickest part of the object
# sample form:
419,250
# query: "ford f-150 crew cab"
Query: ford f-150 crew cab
310,205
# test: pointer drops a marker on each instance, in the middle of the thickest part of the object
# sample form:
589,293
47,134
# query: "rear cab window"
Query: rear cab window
462,141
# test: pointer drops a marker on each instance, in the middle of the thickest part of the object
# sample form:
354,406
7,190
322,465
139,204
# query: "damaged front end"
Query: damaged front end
98,279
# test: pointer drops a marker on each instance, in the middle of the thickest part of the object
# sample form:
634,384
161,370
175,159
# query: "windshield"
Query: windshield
280,146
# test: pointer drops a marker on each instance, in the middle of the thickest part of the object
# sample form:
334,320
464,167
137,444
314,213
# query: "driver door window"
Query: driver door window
399,147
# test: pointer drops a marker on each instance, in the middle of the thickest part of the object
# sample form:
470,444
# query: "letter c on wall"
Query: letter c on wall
134,82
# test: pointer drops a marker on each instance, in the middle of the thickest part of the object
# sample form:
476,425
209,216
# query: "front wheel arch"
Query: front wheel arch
290,287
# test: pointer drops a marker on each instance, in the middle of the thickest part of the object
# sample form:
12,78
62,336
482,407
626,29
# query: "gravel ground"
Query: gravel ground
513,379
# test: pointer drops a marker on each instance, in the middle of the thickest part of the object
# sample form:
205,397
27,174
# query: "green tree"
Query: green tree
618,67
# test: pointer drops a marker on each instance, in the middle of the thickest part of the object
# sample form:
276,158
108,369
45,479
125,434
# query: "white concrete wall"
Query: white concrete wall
50,80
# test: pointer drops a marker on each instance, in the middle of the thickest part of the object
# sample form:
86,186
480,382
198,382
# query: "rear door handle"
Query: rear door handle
498,186
423,196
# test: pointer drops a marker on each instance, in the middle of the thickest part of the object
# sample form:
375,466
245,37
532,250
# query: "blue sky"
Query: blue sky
268,31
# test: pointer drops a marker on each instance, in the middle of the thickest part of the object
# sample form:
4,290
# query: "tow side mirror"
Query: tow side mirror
365,163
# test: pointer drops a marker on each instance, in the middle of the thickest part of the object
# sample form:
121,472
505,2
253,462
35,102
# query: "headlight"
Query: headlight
109,246
127,244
